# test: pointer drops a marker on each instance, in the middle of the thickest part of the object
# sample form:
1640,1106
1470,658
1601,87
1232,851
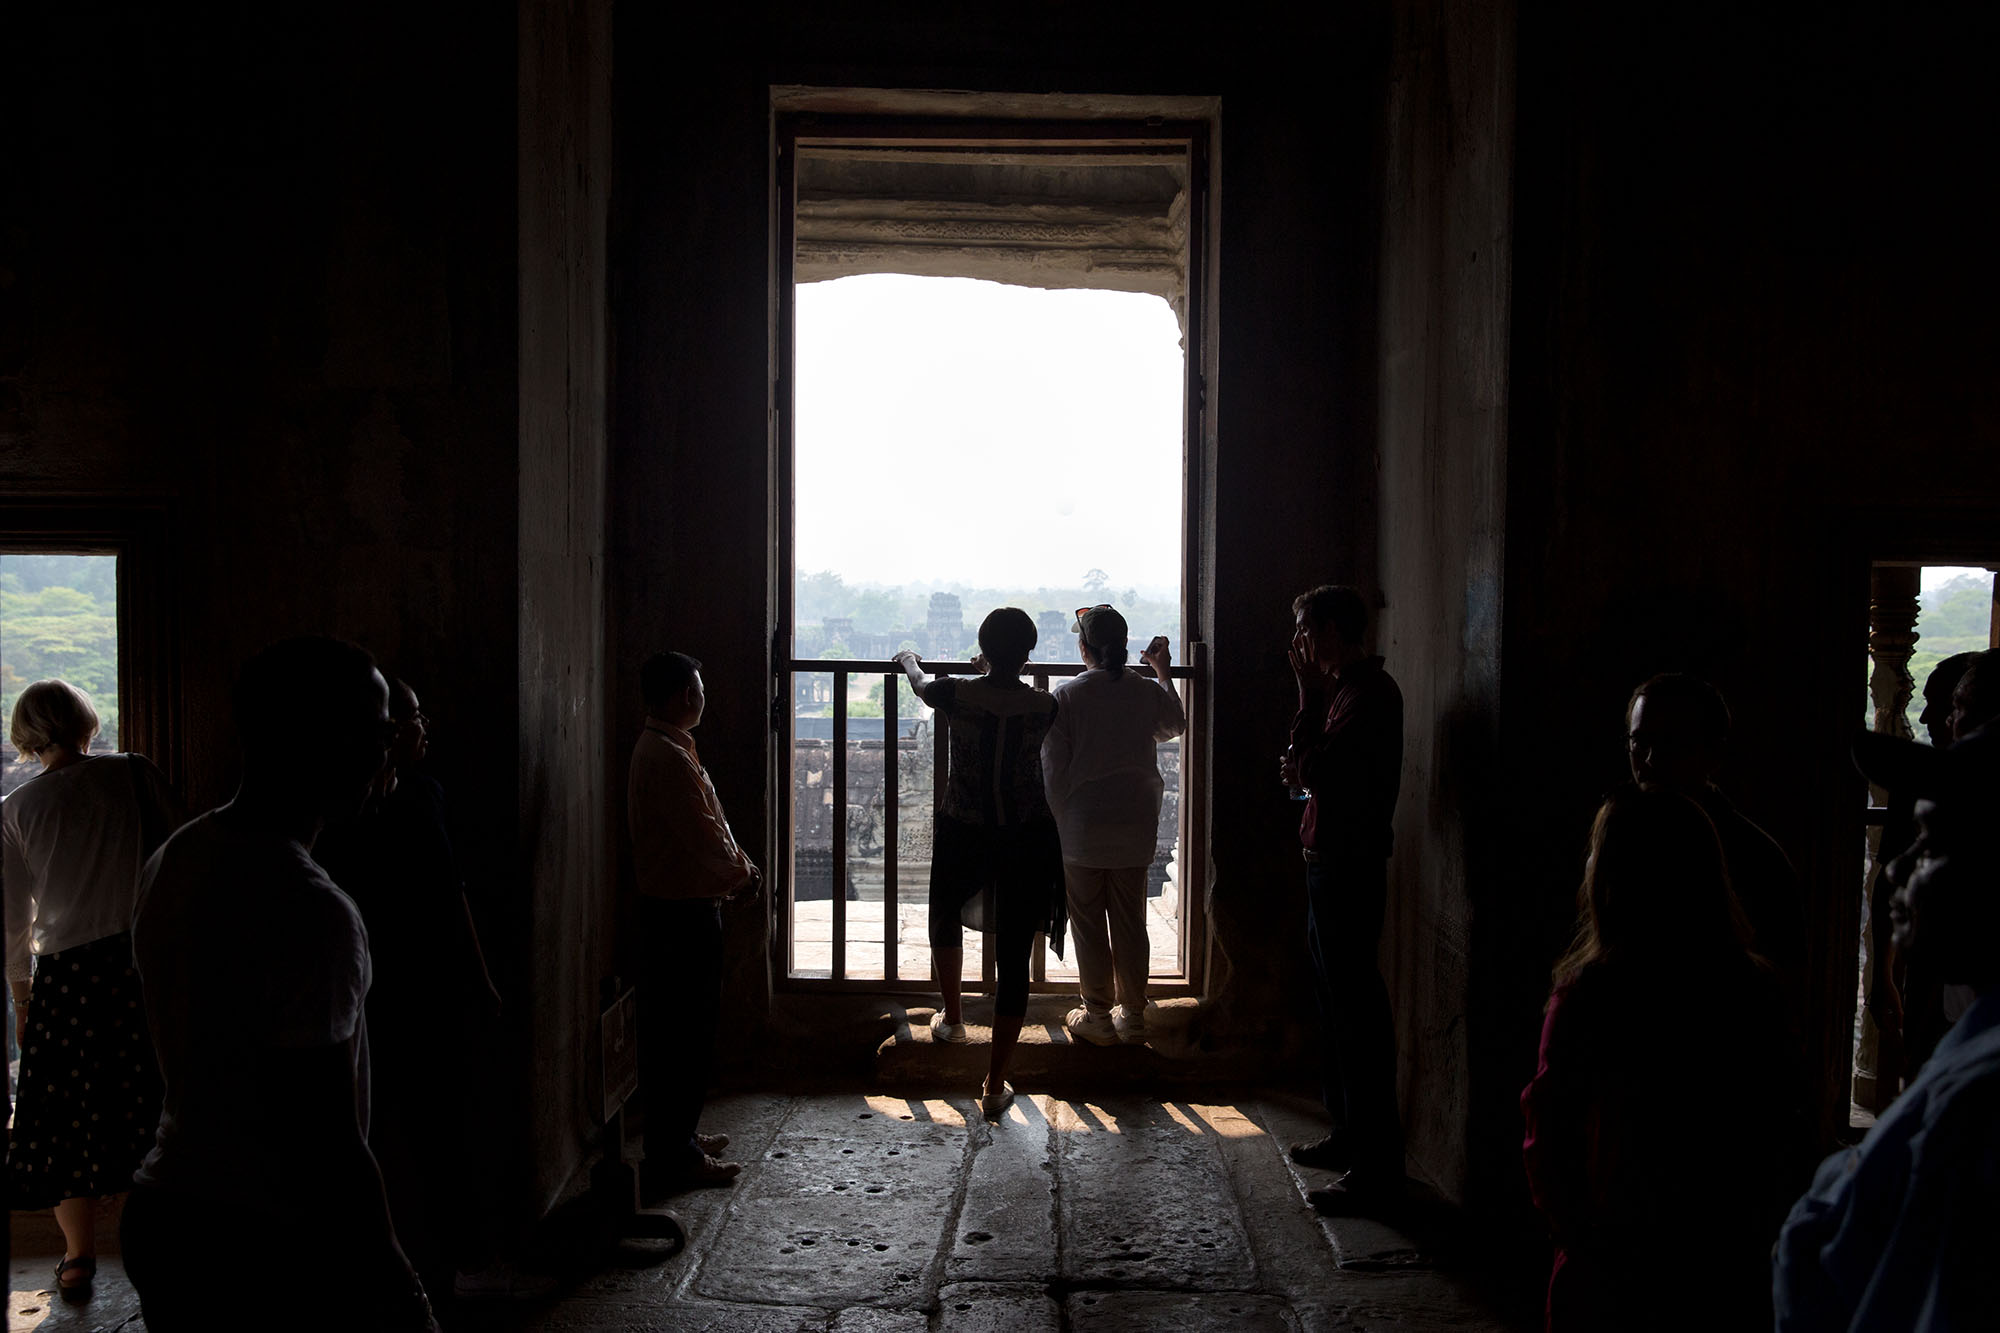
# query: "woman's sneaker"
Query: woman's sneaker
1097,1029
943,1031
1131,1023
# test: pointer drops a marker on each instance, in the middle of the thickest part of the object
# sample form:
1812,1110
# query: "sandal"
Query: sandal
79,1291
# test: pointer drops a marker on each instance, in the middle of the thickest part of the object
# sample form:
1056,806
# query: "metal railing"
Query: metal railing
841,669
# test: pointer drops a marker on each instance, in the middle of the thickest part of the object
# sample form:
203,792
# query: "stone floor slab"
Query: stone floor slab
1006,1228
1145,1199
849,1207
583,1316
32,1302
862,1319
1183,1312
980,1307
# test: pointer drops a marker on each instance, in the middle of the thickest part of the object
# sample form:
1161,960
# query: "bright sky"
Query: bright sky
1935,576
955,429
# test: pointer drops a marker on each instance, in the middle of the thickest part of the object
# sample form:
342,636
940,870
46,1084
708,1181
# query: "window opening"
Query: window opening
1919,615
975,420
58,621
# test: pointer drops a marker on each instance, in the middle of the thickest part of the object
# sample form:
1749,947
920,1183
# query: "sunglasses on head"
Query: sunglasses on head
1083,611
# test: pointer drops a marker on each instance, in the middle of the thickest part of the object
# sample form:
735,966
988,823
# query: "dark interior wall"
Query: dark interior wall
257,267
690,555
566,805
1293,476
1751,346
1446,268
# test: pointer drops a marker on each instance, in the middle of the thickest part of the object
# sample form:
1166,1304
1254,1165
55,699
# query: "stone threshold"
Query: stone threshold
1048,1056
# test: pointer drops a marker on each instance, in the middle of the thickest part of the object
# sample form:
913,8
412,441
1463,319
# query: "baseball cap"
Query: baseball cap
1099,624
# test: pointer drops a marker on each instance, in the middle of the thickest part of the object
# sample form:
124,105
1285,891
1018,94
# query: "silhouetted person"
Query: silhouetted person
75,837
687,864
432,1012
1975,699
1910,1007
996,859
1347,753
1677,734
260,1194
1622,1170
1101,769
1900,1233
1940,689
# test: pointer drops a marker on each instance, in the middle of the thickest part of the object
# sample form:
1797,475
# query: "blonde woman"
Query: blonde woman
75,836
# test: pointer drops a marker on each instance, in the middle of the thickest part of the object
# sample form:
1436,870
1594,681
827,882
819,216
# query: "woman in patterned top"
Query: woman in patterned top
996,861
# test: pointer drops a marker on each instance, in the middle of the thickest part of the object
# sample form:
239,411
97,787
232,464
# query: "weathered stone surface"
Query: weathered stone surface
1006,1228
582,1316
1363,1243
865,1319
1184,1312
980,1307
32,1301
1145,1200
847,1208
1400,1302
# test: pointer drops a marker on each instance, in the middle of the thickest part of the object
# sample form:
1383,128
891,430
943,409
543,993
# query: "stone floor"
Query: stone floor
864,1212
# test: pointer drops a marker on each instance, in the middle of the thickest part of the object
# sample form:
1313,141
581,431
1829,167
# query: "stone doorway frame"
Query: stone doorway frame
1089,247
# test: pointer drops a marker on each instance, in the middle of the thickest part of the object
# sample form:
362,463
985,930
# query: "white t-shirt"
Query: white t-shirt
245,947
71,838
1100,764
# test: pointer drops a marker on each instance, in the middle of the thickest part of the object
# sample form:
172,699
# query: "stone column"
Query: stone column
1892,639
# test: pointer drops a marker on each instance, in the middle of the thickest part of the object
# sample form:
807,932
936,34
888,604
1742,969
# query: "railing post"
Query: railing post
838,969
1038,956
891,787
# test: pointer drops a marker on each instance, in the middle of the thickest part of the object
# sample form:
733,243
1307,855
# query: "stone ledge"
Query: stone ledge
1048,1056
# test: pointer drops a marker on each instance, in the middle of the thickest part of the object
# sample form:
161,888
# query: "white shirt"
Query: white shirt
71,839
1100,764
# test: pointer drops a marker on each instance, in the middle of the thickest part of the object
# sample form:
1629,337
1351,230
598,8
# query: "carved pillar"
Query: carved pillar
1892,639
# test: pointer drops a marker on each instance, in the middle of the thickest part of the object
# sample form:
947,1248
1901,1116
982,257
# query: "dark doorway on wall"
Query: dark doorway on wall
989,372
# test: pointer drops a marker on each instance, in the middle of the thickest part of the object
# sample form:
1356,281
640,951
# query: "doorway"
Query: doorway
989,379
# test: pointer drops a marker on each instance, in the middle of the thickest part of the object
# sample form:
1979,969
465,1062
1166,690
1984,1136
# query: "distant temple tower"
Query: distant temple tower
840,629
945,625
1053,640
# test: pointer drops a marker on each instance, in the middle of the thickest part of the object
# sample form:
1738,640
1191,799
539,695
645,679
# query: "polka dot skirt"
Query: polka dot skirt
89,1094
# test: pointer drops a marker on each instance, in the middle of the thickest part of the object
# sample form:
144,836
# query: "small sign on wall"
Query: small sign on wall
618,1056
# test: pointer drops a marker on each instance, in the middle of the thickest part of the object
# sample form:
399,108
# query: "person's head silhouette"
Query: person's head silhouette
312,714
1676,730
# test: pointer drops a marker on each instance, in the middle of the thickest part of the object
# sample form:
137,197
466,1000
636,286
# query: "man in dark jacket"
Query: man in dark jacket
1346,754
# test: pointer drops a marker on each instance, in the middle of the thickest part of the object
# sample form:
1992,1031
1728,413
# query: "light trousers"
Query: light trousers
1107,920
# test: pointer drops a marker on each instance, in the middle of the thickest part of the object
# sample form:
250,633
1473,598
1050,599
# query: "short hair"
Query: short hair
1007,636
1334,604
1980,688
1700,700
399,691
50,713
1944,677
305,680
665,676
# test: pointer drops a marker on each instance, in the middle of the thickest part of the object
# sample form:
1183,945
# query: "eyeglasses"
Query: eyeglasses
1083,611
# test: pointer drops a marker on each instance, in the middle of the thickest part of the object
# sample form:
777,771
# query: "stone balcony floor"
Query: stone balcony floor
867,1212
